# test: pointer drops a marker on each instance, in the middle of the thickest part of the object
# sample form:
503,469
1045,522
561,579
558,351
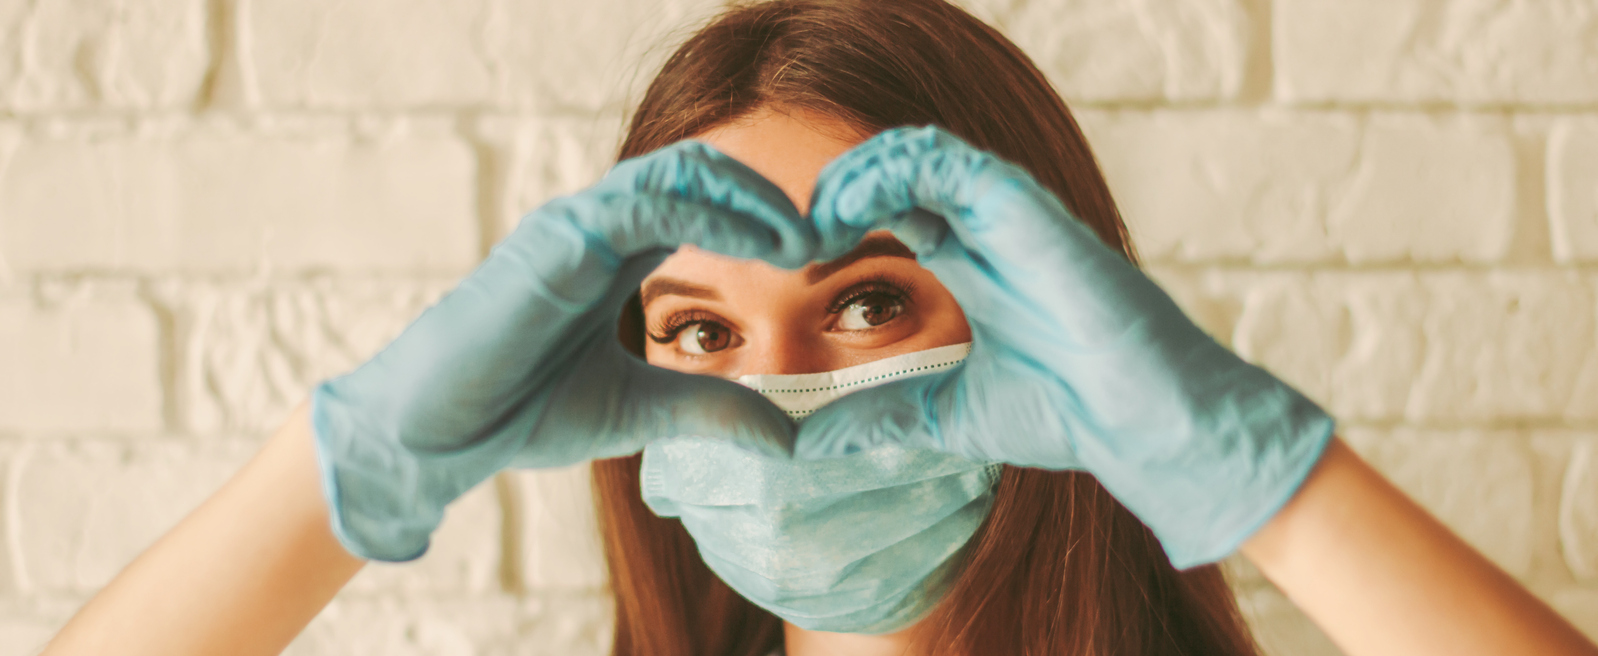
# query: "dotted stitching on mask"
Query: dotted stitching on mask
858,382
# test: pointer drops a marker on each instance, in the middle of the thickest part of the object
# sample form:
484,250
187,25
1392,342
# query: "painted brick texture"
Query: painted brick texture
172,196
62,56
208,206
1472,52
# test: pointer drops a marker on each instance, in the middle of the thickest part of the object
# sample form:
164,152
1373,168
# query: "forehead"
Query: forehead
787,146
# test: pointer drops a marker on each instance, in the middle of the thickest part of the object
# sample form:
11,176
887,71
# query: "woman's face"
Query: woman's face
709,314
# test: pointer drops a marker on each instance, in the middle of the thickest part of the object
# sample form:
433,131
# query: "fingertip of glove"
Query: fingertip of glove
876,180
821,450
911,140
823,444
778,445
774,449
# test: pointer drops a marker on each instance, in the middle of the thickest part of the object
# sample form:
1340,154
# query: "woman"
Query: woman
518,367
787,88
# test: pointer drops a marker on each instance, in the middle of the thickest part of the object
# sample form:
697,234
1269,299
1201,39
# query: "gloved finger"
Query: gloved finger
926,168
617,394
696,172
997,209
903,412
673,404
568,253
954,412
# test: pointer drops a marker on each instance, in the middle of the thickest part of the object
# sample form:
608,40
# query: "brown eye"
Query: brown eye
701,337
870,311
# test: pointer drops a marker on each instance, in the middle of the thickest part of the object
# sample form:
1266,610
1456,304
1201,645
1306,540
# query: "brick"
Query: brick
214,196
1578,513
1351,342
1289,326
1503,346
1436,51
10,582
1099,52
27,624
406,627
1581,404
248,352
1573,190
558,623
1480,484
1225,185
1280,628
560,546
463,558
83,510
597,55
987,11
541,159
1429,191
79,358
139,54
431,53
21,636
1580,606
347,54
1273,186
535,625
1444,347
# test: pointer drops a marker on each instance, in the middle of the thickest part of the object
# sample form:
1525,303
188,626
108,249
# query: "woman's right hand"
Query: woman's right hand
520,365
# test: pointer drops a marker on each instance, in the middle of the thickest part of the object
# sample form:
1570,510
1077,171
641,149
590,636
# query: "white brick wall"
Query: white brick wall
84,508
61,55
1308,187
79,358
1470,52
1136,50
215,196
206,206
1572,190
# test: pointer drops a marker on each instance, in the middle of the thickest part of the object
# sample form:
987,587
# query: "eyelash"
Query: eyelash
901,290
898,289
665,331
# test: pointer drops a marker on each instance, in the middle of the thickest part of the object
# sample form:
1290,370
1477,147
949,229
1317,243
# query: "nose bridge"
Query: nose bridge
783,347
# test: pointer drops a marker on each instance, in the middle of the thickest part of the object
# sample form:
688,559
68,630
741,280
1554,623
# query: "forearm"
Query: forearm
1381,576
243,574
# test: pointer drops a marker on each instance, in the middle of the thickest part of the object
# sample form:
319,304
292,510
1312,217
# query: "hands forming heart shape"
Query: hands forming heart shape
1078,361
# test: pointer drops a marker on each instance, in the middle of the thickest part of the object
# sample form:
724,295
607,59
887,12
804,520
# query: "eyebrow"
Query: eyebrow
872,246
657,287
879,245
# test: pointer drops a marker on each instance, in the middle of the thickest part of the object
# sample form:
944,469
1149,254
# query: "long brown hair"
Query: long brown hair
1058,567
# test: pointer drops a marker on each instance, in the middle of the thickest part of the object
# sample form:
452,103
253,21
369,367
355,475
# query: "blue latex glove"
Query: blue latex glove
1079,361
521,366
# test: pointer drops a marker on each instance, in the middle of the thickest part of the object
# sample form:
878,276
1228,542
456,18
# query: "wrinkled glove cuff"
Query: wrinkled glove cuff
1290,457
363,486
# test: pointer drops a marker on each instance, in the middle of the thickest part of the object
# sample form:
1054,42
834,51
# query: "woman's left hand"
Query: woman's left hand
1079,361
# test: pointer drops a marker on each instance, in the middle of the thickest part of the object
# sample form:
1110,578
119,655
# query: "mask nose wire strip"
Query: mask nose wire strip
800,395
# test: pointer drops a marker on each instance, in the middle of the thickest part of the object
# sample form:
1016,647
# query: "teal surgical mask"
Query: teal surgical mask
858,544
